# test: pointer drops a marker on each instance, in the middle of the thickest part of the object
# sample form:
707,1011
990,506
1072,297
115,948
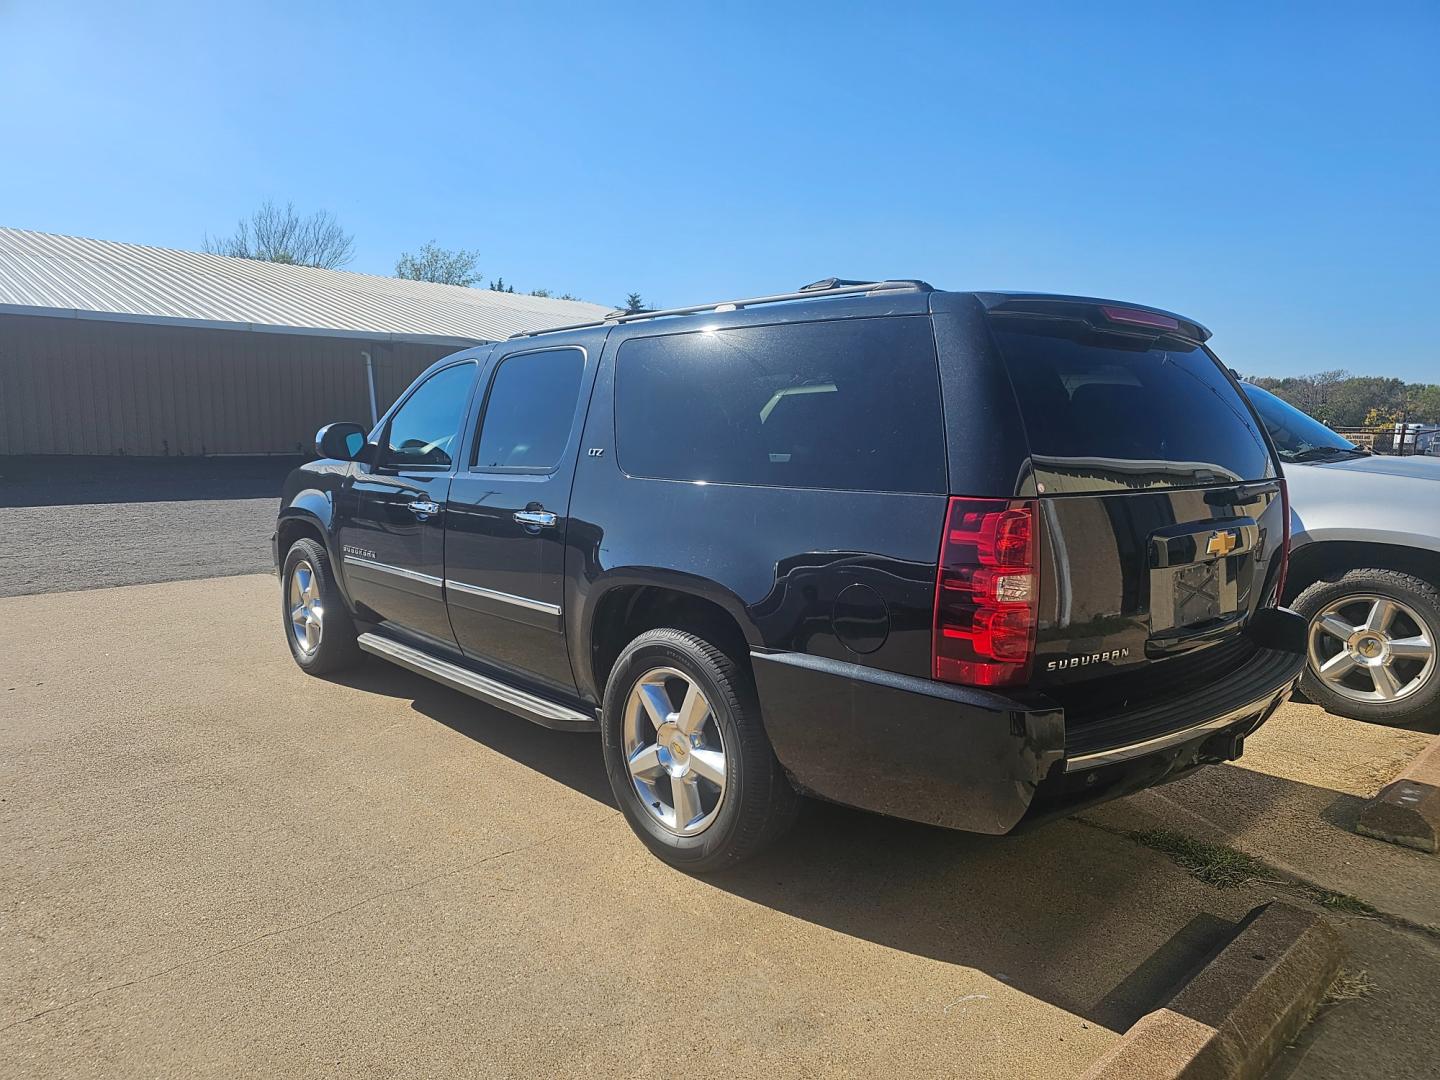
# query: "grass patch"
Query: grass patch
1349,986
1340,903
1214,864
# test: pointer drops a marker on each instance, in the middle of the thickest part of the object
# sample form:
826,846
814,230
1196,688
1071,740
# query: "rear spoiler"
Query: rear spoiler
1101,314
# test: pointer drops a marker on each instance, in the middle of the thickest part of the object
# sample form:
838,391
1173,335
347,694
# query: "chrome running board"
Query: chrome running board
491,691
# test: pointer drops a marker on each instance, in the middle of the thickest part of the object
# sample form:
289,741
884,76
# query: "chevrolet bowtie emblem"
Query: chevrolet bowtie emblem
1221,543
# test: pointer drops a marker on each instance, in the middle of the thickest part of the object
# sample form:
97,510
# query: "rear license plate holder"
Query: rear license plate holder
1197,594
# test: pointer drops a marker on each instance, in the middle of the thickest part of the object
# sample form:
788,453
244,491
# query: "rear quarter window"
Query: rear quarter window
849,404
1104,411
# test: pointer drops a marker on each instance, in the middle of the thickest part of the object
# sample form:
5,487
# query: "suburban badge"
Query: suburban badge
1087,660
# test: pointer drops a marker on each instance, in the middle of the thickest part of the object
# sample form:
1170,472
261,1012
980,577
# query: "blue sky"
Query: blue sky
1272,170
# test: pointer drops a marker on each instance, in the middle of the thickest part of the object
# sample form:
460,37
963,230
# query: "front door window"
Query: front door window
425,430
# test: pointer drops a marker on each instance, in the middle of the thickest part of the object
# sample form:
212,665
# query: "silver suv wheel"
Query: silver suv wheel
674,751
1369,648
307,615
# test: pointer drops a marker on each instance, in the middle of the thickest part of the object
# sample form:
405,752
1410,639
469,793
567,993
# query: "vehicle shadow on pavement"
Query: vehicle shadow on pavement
1069,914
1072,916
1428,724
570,758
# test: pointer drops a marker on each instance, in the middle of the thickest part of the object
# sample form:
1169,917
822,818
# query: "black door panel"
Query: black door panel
509,512
392,523
393,555
505,579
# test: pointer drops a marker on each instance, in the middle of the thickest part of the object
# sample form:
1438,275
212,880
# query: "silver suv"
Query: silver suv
1364,568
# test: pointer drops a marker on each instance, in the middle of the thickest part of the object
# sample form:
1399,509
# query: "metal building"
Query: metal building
110,348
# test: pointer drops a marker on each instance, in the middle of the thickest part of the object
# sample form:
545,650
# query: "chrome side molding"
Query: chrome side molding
522,703
398,571
504,597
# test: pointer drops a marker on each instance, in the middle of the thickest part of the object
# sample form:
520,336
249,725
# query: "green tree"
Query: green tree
1423,401
441,265
1342,400
633,303
498,285
1356,398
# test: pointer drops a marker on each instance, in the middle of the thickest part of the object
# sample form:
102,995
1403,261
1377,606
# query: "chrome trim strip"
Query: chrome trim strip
398,571
521,703
508,598
1161,742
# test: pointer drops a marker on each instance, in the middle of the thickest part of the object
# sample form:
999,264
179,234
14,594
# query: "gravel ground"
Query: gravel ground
85,523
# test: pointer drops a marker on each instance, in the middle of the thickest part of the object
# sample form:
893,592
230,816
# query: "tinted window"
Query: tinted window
846,404
530,410
1297,437
425,430
1102,410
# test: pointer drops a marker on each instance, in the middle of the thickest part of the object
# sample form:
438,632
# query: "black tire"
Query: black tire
336,648
758,804
1423,601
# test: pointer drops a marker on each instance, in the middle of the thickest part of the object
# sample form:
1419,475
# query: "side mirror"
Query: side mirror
344,442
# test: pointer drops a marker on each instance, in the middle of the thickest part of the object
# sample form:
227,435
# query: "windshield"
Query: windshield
1294,434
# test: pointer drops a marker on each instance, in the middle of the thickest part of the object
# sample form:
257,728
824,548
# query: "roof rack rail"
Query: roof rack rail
825,287
825,284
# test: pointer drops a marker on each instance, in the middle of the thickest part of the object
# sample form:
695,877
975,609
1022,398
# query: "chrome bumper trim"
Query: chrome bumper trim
1111,755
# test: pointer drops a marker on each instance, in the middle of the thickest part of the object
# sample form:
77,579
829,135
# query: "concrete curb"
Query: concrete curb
1407,810
1240,1010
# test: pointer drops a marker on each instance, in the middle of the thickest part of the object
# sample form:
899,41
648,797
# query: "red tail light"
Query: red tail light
986,591
1140,318
1284,544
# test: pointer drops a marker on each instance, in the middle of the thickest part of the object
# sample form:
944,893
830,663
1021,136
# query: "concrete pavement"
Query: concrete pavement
217,865
1292,801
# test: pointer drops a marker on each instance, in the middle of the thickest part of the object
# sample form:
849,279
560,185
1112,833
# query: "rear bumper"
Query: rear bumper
974,760
1269,674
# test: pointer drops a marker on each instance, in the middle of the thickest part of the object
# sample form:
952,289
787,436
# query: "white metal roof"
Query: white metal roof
72,277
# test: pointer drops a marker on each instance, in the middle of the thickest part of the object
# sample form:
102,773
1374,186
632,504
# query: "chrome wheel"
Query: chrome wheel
674,751
306,614
1371,648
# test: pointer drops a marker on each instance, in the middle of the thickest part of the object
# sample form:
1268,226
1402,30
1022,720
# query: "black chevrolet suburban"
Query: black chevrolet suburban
971,559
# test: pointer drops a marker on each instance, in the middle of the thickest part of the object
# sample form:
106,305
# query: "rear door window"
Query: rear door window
530,411
1105,411
848,404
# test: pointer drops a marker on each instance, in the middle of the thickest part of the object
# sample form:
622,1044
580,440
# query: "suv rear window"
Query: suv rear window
851,404
1105,411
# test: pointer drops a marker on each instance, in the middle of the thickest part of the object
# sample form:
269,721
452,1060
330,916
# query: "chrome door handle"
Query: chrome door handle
423,508
542,519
